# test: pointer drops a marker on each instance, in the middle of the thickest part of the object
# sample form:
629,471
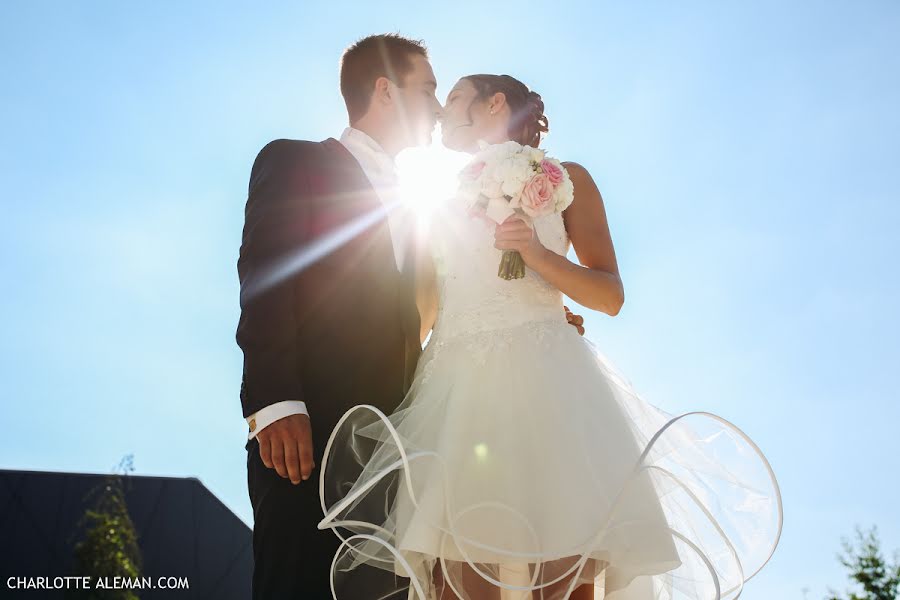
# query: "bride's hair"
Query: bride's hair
528,121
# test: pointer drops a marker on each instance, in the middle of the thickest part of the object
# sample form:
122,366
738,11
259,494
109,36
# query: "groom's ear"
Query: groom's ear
382,92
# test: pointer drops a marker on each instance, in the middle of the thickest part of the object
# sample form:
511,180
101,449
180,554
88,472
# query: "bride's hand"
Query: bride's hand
515,234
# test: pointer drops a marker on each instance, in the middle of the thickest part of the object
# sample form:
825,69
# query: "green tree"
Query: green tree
868,569
109,545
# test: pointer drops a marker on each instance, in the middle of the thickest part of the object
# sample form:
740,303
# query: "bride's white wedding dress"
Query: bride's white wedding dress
522,459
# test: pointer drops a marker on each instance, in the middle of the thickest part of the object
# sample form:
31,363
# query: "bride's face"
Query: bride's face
467,118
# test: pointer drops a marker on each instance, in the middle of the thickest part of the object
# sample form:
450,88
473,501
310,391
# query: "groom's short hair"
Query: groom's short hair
384,55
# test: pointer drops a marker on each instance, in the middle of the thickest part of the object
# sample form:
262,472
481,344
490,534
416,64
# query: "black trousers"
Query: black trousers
292,558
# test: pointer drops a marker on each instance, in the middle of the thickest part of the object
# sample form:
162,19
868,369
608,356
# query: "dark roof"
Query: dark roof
183,531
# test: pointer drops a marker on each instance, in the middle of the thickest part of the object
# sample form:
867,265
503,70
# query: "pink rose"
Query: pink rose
537,195
477,212
472,171
552,171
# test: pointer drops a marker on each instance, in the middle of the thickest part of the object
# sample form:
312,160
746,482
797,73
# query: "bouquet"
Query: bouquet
506,179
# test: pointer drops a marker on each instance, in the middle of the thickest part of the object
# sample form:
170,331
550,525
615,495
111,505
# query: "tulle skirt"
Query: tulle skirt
522,464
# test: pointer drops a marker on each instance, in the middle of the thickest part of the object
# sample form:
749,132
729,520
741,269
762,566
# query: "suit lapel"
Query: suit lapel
368,202
351,203
410,319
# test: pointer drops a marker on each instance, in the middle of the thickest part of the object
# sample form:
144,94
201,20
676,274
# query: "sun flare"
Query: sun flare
428,176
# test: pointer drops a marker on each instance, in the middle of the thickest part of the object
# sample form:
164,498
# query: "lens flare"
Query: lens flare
428,176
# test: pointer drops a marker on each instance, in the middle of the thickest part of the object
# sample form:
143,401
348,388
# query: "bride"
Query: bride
522,464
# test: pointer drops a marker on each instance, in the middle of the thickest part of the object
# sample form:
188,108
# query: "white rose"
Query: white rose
499,210
512,186
565,194
501,171
511,147
519,167
469,192
534,154
491,188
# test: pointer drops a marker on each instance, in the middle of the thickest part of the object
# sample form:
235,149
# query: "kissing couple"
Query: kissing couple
508,458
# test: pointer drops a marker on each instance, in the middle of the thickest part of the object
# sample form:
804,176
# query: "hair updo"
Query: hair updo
528,121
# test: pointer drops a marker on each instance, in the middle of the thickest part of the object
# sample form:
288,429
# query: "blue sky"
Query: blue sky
747,155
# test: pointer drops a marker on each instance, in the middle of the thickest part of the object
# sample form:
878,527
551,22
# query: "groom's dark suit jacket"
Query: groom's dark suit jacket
327,318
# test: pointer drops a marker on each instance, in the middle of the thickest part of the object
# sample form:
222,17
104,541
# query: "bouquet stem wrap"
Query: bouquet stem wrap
512,266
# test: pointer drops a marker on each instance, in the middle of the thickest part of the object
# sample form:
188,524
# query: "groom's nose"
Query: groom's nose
438,110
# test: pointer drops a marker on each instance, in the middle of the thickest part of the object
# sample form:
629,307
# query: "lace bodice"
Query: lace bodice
473,298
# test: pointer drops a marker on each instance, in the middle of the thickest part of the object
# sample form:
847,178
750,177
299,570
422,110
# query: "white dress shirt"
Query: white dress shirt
381,171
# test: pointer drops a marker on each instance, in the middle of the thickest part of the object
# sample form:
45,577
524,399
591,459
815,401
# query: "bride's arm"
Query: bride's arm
595,283
426,292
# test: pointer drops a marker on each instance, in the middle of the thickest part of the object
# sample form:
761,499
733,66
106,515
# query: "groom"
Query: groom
328,313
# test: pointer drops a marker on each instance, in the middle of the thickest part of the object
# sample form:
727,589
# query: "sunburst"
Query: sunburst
428,176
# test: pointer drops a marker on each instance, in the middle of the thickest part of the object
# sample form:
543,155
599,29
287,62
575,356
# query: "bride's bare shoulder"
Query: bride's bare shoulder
587,195
586,223
577,172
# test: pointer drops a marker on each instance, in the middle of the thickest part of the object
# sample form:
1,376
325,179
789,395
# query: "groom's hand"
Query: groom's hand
576,321
286,445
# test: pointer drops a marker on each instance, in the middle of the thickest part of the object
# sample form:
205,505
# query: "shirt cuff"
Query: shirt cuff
269,414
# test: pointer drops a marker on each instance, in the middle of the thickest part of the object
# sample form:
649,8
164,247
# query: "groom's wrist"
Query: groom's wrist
269,414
